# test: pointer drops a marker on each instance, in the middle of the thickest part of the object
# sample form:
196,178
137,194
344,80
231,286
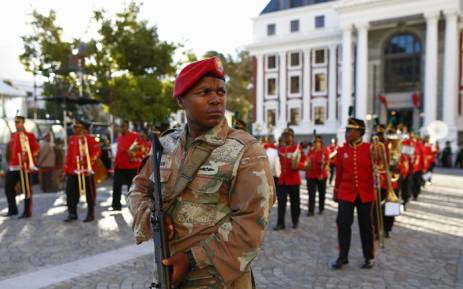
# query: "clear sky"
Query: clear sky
202,25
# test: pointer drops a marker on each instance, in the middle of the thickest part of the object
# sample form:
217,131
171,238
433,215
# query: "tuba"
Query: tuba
394,147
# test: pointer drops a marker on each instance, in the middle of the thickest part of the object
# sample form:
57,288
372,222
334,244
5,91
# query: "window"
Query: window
402,63
271,86
271,62
319,57
294,25
271,29
271,117
319,113
319,21
320,82
295,85
295,59
295,116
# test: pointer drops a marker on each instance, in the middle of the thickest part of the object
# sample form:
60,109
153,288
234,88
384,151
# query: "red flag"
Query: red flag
416,99
383,100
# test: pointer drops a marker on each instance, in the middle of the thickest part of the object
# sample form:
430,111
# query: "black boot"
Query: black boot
337,265
89,219
368,264
70,218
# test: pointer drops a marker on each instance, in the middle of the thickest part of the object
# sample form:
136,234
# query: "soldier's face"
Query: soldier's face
19,124
205,103
352,135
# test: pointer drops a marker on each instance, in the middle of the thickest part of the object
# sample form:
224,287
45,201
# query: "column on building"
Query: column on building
332,70
451,73
430,89
306,92
346,93
362,70
282,95
260,90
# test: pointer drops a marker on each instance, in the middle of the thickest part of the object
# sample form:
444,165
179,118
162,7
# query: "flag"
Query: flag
383,100
416,99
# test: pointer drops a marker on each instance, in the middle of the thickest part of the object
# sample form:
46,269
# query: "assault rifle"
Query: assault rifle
160,236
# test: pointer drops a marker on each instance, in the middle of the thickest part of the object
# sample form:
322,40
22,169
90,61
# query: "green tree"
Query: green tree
126,67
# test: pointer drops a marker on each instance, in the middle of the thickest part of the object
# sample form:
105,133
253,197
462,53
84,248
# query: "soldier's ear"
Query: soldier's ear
180,102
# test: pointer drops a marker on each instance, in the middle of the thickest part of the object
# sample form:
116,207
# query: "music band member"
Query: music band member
83,151
127,162
292,159
22,149
333,148
354,189
318,161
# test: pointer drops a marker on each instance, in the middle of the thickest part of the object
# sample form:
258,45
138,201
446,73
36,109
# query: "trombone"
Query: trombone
380,164
24,169
83,151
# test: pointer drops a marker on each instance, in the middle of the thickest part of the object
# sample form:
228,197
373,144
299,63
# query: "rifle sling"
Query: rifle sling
200,154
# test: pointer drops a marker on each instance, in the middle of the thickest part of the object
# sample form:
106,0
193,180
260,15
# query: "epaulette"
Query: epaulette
242,136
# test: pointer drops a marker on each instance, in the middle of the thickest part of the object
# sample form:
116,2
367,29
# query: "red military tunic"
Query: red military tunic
319,162
428,155
290,176
418,162
94,151
407,156
354,173
15,149
123,160
333,151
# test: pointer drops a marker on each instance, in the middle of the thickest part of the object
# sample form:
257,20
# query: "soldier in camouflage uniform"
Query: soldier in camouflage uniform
219,218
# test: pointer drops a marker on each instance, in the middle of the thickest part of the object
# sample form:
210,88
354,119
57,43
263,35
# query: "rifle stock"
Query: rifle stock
160,236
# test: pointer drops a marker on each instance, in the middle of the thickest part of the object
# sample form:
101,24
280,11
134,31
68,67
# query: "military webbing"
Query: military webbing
199,155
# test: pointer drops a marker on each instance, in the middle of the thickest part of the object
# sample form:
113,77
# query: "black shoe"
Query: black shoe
310,214
368,264
336,265
279,227
387,234
113,209
320,212
24,215
9,214
295,226
70,218
89,219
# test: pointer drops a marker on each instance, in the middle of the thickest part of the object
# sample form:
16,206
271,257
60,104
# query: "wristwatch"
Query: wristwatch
191,260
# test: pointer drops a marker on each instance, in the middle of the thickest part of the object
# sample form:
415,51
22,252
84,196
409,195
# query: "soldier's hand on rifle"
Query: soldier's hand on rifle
169,225
180,267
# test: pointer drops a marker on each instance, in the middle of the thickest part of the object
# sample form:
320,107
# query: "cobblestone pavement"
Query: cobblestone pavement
44,240
424,251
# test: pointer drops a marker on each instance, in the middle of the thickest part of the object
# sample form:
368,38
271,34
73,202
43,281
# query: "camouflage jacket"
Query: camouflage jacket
222,214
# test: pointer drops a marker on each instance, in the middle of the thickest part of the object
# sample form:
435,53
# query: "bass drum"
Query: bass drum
101,174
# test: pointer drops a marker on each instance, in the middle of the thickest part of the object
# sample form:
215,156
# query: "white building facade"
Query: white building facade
319,61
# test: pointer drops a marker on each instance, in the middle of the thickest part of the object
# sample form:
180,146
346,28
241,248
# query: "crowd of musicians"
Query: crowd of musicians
393,166
82,168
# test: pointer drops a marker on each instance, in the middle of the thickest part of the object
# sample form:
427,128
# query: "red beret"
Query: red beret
193,72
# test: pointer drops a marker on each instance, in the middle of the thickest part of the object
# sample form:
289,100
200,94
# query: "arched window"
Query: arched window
402,63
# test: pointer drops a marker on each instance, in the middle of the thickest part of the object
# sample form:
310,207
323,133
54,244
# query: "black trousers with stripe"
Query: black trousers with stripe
11,179
73,195
345,220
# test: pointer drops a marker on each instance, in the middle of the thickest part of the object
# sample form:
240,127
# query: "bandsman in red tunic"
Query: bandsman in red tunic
354,189
83,152
127,162
417,165
292,160
318,161
22,149
333,149
406,166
